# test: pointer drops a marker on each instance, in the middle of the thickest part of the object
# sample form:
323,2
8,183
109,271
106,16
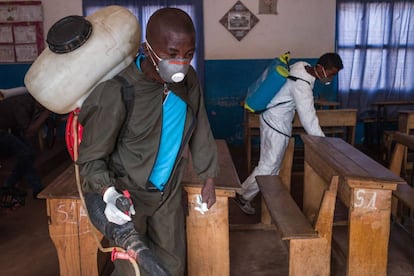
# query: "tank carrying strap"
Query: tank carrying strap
128,97
296,78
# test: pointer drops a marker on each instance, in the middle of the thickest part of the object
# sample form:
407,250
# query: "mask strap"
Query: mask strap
150,48
152,59
316,73
324,72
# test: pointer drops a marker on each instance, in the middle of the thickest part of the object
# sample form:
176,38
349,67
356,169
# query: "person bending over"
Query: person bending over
276,122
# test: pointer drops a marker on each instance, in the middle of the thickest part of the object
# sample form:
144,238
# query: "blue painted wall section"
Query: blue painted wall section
226,83
225,87
12,75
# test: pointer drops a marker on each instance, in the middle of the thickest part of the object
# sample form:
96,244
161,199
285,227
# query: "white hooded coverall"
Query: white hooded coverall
276,125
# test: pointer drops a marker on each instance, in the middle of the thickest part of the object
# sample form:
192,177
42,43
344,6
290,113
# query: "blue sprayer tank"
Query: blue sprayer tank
262,91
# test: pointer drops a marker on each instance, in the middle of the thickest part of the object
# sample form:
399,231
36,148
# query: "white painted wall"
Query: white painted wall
53,10
304,27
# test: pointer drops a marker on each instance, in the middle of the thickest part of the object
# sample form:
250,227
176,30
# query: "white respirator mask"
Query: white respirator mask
170,69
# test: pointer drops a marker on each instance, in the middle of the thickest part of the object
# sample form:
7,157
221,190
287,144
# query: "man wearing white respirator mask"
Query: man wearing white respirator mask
145,156
296,95
170,69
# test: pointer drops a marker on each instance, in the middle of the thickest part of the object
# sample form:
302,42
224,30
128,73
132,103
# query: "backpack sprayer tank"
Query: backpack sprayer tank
83,52
261,92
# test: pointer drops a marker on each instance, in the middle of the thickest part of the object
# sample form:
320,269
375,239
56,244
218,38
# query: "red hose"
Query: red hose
70,134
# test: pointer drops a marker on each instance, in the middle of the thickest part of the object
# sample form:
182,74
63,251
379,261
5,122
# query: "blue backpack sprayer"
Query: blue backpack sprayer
262,91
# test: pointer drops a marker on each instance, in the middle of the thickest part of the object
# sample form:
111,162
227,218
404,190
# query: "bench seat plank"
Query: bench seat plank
289,219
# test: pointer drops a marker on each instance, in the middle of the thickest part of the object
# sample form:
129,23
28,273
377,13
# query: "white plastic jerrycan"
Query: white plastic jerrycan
83,51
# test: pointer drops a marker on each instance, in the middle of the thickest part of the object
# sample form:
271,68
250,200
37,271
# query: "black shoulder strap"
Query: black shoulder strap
296,78
128,96
278,131
282,103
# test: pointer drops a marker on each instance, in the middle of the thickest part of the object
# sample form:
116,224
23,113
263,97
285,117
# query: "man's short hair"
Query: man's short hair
331,60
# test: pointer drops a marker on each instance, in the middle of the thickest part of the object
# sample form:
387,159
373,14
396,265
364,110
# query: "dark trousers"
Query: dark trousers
13,146
165,233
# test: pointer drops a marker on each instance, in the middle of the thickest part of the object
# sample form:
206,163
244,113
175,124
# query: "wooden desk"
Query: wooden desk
321,104
405,125
332,121
382,107
70,229
404,195
405,121
207,235
382,114
365,187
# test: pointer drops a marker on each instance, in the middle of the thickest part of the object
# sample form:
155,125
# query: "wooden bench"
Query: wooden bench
332,121
309,242
404,194
365,187
285,175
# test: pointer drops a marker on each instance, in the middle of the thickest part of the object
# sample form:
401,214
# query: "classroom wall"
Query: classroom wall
306,28
12,75
53,10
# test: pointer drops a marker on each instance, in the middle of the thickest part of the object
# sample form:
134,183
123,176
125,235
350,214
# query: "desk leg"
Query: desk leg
208,236
71,234
313,189
369,229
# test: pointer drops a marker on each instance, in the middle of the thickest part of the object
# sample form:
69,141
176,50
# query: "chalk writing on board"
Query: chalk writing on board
365,199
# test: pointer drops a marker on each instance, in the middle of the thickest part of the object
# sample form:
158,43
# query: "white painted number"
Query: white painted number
365,199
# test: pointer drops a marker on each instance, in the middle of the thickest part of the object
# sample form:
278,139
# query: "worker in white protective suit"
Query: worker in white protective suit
276,121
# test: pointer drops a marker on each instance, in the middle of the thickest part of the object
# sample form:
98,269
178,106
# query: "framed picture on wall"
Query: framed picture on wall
239,20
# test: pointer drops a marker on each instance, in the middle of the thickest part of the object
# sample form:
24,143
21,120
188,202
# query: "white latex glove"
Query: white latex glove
112,212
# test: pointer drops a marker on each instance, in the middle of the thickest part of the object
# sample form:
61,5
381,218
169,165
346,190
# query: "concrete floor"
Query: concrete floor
28,251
